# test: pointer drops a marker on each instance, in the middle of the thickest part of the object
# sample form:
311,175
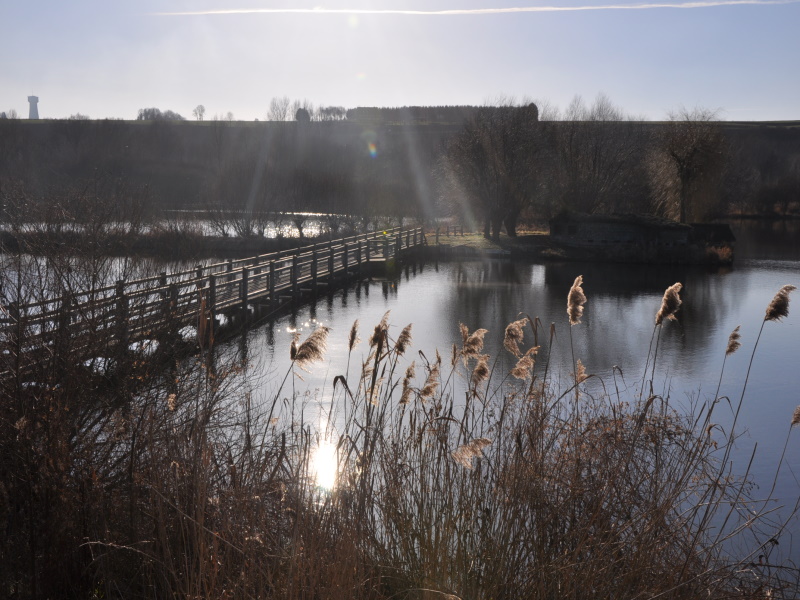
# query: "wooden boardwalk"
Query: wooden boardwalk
152,308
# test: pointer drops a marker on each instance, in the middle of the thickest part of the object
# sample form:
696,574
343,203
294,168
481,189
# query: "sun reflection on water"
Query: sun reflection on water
324,465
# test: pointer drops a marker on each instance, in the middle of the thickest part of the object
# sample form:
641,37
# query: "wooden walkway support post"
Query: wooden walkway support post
359,254
345,258
331,266
385,248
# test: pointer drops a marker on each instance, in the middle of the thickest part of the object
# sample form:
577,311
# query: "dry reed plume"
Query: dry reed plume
670,303
796,416
525,364
353,339
514,335
378,336
733,341
404,340
575,301
480,372
779,307
312,349
463,455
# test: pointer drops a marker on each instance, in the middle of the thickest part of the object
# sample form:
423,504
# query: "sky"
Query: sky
108,59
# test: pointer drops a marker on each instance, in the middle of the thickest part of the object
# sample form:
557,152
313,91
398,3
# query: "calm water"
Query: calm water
616,331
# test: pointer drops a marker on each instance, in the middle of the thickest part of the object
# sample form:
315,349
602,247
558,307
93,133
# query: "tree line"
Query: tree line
490,166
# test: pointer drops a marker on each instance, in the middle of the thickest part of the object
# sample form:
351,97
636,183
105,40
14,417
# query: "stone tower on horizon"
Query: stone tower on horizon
34,102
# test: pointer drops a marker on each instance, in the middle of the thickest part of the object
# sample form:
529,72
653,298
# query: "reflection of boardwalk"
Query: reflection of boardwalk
132,311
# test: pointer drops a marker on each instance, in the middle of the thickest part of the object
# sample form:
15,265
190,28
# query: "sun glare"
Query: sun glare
324,465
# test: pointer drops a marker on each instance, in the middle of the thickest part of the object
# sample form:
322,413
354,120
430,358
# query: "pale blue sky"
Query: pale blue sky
108,59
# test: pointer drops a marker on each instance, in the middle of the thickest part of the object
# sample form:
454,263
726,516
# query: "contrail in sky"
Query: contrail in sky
482,11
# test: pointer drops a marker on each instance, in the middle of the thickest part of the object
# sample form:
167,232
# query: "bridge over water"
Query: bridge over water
130,312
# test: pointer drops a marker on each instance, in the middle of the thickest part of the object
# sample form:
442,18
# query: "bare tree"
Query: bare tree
489,169
332,113
688,162
306,107
279,109
199,112
598,148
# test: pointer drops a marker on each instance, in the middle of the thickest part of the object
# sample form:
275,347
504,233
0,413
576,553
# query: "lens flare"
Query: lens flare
373,149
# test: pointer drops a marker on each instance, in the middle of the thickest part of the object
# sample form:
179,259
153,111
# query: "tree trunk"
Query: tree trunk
684,198
510,223
487,231
497,223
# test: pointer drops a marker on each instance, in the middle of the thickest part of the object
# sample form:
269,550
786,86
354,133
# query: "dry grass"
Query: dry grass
452,480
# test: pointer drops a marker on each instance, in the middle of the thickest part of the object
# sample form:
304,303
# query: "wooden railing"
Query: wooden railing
131,311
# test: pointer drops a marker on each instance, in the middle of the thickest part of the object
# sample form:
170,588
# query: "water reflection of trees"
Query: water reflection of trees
620,314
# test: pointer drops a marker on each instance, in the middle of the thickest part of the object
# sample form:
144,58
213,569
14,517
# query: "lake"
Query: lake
616,330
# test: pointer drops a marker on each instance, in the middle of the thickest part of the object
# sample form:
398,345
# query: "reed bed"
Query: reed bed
440,477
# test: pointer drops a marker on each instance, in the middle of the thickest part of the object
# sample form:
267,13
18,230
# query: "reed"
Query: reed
448,479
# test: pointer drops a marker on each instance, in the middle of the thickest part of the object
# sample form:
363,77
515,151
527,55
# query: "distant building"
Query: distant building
34,102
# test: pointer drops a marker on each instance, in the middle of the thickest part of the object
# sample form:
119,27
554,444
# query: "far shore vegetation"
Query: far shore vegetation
489,168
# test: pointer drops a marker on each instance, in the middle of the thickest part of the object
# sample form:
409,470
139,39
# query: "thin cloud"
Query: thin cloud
482,11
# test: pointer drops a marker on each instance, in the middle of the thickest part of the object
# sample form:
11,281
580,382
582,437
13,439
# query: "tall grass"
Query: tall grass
453,479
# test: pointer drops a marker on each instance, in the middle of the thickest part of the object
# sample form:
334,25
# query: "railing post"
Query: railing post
398,244
229,268
359,254
272,281
121,316
64,320
367,242
243,290
314,282
345,258
385,248
198,271
16,335
295,275
330,262
170,304
211,299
